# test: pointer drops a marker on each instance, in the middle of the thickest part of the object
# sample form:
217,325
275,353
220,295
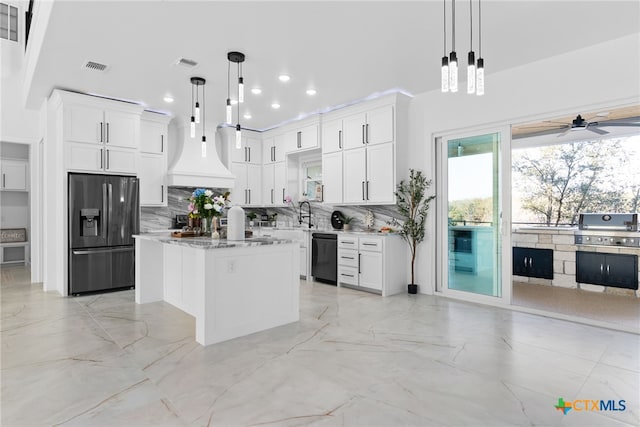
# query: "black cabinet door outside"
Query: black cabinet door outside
590,267
621,271
532,262
617,270
520,262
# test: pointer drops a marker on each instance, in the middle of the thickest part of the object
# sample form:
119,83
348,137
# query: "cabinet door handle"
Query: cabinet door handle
359,272
367,190
367,133
107,132
347,257
249,154
4,181
608,270
283,200
530,262
101,157
346,242
346,275
108,159
340,139
369,244
245,196
525,262
601,269
322,196
249,190
299,142
272,196
363,190
162,143
101,132
363,134
273,154
162,194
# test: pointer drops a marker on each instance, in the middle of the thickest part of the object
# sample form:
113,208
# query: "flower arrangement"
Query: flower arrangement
203,204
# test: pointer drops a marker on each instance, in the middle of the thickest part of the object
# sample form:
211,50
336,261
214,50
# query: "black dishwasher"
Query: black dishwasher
324,257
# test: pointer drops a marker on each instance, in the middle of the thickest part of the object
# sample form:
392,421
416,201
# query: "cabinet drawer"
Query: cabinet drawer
348,257
369,244
348,275
347,242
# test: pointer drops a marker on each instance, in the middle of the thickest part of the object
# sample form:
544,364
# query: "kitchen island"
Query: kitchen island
231,288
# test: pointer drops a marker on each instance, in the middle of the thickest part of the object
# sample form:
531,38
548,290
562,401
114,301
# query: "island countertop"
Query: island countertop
204,242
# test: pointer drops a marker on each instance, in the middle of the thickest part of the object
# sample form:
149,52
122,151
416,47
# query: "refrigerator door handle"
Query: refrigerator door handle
110,207
105,207
103,251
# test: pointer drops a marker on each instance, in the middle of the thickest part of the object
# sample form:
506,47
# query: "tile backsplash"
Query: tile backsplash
158,218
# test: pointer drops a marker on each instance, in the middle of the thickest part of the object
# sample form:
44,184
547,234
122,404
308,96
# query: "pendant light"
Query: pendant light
192,131
480,69
471,57
198,113
238,58
453,58
444,73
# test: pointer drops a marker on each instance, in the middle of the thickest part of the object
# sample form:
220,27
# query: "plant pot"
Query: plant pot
347,227
412,288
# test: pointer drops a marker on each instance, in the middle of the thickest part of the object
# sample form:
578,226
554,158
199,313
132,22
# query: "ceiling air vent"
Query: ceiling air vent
187,63
95,66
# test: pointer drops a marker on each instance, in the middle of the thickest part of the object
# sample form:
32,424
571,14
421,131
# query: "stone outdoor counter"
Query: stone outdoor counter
231,288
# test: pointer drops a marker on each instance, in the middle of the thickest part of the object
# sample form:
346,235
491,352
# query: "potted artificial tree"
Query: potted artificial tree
347,220
413,205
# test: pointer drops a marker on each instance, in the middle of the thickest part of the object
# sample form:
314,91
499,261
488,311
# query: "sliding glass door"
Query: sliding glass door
473,243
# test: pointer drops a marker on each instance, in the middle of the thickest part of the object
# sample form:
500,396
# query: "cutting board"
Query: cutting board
184,234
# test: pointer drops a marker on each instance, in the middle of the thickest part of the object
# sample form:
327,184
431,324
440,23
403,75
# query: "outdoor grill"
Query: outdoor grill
608,229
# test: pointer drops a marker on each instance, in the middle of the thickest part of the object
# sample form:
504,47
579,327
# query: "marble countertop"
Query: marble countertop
209,243
330,230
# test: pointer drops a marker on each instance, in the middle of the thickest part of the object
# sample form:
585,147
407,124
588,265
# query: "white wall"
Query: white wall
582,80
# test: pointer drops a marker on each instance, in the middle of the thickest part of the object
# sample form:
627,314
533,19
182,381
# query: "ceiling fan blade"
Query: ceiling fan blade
566,131
625,124
596,130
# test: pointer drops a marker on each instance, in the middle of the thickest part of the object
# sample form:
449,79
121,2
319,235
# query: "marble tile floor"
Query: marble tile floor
353,359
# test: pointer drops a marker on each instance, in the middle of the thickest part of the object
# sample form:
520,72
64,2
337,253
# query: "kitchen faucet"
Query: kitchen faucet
308,214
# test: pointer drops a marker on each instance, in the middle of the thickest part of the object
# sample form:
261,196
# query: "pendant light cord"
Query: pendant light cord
228,78
453,25
471,24
192,113
479,30
203,112
444,29
239,65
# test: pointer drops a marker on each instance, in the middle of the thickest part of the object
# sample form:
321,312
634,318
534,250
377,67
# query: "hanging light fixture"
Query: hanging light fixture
453,58
444,73
238,58
471,57
198,113
480,69
228,107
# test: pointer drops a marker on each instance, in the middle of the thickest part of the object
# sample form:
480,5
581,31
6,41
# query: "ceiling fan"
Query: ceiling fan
562,128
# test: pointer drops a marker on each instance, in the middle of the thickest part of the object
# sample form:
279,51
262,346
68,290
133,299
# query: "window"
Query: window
8,22
312,181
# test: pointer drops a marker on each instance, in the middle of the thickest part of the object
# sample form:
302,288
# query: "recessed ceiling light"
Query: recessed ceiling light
168,99
311,92
234,102
247,115
256,91
275,105
284,78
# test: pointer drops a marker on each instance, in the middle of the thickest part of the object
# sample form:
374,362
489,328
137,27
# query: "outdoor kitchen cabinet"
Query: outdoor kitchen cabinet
617,270
531,262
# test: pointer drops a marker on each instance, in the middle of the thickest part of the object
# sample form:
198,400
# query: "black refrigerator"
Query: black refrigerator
104,213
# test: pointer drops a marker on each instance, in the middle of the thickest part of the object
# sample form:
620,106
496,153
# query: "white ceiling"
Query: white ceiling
345,50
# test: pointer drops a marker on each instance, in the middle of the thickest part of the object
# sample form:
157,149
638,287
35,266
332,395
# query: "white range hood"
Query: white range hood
192,170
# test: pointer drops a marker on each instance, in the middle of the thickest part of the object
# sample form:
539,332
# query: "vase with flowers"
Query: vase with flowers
206,208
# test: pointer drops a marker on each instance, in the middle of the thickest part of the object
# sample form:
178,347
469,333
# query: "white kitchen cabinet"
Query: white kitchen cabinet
93,124
307,137
14,174
375,264
274,183
332,177
274,149
250,151
152,161
152,172
380,182
354,175
369,175
332,136
153,137
369,128
247,190
97,158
